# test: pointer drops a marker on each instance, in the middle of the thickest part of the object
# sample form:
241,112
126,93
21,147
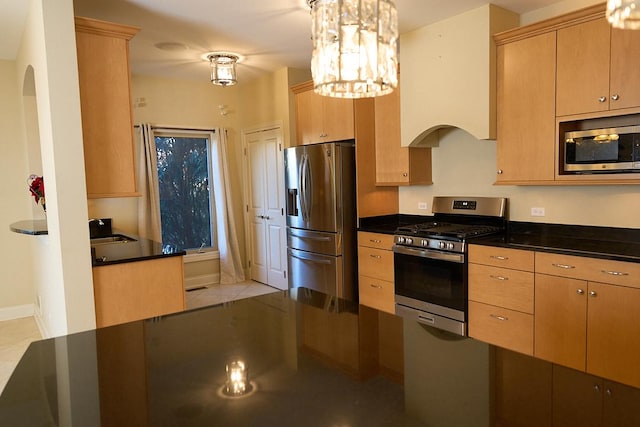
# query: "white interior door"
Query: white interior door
265,209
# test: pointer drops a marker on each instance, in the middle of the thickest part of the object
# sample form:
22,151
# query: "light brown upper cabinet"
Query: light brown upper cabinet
597,68
322,118
526,71
105,101
396,165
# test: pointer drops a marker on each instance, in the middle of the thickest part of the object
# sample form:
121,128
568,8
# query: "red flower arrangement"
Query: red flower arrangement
36,187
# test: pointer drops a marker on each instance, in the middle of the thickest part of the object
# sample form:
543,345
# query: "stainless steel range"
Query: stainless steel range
430,259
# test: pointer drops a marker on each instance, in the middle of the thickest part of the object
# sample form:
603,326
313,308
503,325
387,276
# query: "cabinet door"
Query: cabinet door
613,333
620,406
577,398
526,110
560,320
337,119
583,68
309,117
105,102
625,63
397,165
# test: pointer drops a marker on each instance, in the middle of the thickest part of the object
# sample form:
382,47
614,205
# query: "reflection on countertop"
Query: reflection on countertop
310,360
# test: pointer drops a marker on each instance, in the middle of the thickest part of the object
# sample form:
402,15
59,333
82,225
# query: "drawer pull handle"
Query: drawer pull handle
375,241
580,292
501,318
375,256
498,277
593,294
500,257
615,273
375,286
565,266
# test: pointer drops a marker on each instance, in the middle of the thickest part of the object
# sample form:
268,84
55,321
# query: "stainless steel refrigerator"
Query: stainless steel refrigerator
321,218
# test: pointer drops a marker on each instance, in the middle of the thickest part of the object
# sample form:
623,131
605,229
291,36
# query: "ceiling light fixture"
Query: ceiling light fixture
355,47
223,68
624,14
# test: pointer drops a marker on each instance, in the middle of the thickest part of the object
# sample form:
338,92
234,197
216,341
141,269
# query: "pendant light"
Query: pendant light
223,68
624,14
355,47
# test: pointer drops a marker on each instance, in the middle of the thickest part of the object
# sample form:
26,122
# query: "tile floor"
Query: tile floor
16,335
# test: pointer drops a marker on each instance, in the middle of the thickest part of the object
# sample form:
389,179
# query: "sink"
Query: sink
114,238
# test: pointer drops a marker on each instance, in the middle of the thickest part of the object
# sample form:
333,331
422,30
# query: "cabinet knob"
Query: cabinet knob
499,171
608,391
615,97
593,294
596,388
580,292
404,174
602,99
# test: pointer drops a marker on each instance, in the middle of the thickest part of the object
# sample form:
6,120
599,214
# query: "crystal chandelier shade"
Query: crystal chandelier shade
624,14
355,47
223,68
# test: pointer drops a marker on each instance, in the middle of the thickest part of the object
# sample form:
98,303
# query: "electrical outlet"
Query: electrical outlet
422,205
537,211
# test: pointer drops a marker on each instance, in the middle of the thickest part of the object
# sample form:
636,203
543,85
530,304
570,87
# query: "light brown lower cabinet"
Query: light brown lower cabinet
376,287
138,290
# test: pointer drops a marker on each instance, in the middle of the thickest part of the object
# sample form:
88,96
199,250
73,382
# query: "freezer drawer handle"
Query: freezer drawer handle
318,238
310,258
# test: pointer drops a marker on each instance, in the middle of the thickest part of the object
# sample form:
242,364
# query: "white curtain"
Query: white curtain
231,270
149,225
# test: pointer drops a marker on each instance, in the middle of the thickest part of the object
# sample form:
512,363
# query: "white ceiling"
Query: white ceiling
271,33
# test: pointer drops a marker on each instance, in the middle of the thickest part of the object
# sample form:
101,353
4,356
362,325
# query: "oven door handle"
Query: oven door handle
427,253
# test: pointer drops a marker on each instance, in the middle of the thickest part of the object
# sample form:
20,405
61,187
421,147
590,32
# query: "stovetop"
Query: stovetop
436,229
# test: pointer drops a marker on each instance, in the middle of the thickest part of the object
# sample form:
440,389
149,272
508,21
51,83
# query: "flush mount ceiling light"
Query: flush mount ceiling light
355,47
624,14
223,68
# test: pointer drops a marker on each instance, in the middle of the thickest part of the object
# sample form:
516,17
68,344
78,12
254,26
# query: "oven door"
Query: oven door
431,281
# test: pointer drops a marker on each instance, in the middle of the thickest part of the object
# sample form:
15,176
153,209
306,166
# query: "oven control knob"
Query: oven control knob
450,246
400,239
425,243
442,245
409,240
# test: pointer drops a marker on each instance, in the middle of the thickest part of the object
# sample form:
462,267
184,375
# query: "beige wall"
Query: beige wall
197,104
463,165
16,278
62,263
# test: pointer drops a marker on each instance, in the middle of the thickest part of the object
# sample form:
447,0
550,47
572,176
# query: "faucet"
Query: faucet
100,222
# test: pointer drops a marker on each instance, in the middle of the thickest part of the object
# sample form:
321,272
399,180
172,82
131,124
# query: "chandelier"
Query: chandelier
624,14
355,47
223,68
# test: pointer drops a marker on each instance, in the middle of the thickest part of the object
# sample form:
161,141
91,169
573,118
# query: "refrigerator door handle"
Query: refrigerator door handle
301,185
307,188
306,257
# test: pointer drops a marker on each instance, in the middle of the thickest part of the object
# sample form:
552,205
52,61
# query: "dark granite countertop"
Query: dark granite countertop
620,244
170,370
139,250
387,224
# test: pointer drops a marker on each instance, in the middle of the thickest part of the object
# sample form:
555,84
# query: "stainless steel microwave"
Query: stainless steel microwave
613,150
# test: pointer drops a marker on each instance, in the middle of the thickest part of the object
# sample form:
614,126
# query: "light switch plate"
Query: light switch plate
422,205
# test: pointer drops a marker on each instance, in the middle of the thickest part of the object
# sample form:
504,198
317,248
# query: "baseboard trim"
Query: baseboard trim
41,326
16,312
201,281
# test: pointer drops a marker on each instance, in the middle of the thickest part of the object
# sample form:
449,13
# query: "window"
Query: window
186,196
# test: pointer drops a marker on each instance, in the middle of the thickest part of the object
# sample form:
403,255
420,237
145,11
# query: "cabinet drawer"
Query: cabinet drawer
378,294
502,327
501,287
375,240
376,263
591,269
502,257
